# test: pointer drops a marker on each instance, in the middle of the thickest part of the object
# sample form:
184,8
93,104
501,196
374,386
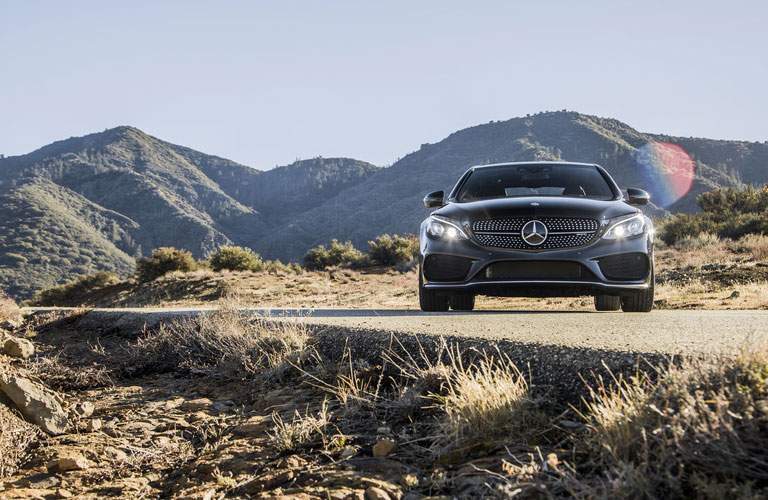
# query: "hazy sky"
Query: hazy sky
264,83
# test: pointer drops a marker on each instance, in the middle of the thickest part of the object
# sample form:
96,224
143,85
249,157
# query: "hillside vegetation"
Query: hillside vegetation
94,203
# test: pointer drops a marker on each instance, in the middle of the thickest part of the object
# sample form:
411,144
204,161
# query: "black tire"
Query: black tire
463,302
641,301
607,302
430,300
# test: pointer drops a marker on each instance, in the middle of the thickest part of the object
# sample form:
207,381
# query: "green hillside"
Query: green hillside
390,201
96,202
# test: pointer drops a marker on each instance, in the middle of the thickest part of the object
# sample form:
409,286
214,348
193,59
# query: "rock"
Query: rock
38,404
17,347
374,493
348,452
254,426
195,405
570,424
267,481
93,425
62,493
84,409
41,480
198,416
409,480
115,454
552,461
735,295
383,447
11,324
67,463
222,406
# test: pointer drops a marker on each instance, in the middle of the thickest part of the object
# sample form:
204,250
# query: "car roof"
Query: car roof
516,163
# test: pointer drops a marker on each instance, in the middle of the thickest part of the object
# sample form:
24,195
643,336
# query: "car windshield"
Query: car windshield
512,181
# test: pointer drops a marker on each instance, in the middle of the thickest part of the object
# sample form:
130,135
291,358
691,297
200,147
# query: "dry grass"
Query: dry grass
227,341
16,439
484,400
61,376
301,431
698,427
9,311
754,244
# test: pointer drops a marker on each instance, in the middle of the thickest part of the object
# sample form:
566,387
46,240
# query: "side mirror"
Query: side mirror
637,196
434,199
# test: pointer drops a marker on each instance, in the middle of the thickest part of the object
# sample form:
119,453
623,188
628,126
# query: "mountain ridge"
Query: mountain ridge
124,192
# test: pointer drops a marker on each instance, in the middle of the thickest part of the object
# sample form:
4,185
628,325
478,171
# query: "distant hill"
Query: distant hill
96,202
390,201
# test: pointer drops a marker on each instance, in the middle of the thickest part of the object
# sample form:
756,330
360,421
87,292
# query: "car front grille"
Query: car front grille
563,232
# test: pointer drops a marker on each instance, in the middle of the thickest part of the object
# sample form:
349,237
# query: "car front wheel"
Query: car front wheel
641,301
430,300
463,302
607,302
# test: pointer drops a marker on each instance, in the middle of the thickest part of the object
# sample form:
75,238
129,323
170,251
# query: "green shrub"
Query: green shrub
74,292
727,213
162,261
391,250
235,258
337,254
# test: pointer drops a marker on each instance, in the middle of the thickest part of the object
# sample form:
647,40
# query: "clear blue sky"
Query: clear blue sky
264,83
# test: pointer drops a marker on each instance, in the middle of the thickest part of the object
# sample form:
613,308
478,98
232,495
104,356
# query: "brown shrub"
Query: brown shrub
9,311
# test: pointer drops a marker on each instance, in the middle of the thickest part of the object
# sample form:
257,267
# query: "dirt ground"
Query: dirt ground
716,279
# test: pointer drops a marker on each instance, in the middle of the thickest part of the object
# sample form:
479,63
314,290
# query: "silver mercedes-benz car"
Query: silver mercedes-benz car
536,229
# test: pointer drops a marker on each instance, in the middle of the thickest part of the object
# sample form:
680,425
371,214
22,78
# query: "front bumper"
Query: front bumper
592,279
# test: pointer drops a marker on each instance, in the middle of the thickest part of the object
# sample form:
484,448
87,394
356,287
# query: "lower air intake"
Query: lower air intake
446,268
625,267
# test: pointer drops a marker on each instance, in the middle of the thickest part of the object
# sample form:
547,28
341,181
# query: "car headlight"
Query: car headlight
442,228
626,228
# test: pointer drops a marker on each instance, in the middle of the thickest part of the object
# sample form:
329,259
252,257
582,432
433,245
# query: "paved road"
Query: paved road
658,331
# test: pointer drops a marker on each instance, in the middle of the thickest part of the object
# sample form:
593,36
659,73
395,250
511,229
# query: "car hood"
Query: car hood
536,207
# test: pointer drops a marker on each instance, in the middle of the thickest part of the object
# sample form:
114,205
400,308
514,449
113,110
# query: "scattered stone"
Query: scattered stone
38,404
195,405
268,481
221,406
16,347
115,454
570,424
84,409
198,416
41,480
410,480
67,463
173,403
374,493
11,324
383,447
93,425
62,493
252,427
552,461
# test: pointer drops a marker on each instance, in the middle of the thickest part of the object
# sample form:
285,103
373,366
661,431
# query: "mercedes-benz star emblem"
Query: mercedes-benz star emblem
534,233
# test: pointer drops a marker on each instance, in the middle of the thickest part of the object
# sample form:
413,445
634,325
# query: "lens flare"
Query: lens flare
667,171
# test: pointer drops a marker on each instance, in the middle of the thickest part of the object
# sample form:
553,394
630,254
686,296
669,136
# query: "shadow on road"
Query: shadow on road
357,313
